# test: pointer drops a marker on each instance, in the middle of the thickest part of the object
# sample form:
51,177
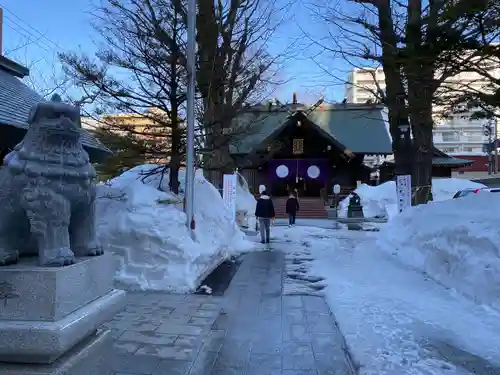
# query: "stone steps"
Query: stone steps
310,208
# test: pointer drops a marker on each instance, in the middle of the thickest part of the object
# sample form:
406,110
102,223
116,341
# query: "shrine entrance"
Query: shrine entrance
307,176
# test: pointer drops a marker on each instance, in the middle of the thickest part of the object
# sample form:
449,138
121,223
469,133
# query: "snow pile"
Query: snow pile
245,204
455,242
145,228
394,319
446,188
377,199
373,198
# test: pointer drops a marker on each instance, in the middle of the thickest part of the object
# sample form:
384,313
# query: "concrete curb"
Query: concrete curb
352,364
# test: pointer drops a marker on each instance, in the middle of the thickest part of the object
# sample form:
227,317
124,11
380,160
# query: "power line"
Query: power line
30,40
41,37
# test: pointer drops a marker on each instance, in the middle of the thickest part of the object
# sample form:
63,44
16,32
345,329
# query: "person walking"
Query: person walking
264,211
292,207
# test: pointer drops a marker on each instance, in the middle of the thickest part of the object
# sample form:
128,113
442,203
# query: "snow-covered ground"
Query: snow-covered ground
378,200
420,297
395,319
143,224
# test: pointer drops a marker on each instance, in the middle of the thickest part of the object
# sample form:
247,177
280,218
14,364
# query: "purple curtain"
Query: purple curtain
303,168
277,166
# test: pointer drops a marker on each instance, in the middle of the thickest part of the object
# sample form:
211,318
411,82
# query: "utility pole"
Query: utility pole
488,131
191,71
490,156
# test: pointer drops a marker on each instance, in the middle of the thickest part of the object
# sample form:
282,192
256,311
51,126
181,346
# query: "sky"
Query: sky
34,34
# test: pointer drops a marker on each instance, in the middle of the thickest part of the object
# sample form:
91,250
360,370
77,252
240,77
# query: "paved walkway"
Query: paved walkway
252,330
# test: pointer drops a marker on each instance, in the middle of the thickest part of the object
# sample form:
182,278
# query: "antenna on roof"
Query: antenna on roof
314,106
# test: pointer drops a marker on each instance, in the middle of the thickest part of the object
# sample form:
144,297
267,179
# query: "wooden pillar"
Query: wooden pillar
328,183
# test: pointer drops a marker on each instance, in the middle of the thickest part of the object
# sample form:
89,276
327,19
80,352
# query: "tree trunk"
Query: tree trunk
422,123
175,160
176,139
422,173
395,92
419,69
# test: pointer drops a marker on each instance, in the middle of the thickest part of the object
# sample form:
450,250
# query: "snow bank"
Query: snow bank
446,188
394,320
455,242
145,228
376,199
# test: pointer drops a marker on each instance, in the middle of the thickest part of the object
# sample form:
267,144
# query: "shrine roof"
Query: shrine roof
442,159
450,161
16,100
360,128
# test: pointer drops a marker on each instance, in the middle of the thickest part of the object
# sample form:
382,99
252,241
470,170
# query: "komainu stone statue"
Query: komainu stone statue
47,194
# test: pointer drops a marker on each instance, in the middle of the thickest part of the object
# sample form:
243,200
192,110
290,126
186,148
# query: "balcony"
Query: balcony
459,139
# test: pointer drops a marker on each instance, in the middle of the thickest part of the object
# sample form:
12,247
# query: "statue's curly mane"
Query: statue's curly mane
51,148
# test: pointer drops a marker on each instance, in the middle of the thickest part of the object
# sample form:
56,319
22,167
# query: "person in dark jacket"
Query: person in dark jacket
292,207
264,211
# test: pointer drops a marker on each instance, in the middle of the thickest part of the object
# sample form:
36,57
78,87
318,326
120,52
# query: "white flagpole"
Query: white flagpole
191,70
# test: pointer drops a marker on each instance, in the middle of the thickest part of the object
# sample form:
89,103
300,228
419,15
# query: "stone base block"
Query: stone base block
30,292
44,342
89,357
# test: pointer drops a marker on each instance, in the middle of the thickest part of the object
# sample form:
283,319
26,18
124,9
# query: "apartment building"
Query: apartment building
154,136
460,135
456,133
363,84
141,125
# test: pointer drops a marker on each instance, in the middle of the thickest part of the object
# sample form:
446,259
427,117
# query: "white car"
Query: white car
465,192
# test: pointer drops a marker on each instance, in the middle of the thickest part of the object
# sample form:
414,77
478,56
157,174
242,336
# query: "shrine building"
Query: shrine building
309,148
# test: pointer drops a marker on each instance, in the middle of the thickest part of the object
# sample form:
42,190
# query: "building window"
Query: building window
298,146
449,149
450,136
468,149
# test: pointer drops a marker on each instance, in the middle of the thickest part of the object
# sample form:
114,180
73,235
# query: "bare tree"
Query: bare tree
416,43
142,65
482,94
139,66
44,78
235,69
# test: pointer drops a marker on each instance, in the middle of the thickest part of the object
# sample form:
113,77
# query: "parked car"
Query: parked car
466,192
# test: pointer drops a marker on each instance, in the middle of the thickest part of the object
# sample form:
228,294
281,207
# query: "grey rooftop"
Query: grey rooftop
16,100
361,128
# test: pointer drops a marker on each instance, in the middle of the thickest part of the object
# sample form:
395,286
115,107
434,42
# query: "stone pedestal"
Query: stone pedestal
355,211
49,316
89,357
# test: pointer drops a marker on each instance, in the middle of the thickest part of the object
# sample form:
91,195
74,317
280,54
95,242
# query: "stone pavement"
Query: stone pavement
252,330
160,333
